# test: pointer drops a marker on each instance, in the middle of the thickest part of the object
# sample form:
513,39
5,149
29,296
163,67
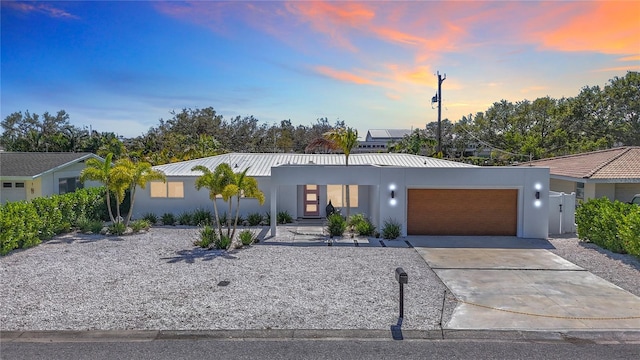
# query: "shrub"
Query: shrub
391,229
87,225
138,225
247,237
336,225
185,218
361,225
284,217
223,242
223,219
168,219
117,228
25,224
151,218
208,237
201,217
611,225
254,219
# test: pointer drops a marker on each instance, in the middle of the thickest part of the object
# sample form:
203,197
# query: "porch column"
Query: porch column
274,213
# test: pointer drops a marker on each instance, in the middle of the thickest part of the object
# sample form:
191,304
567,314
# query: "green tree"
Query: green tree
138,174
215,181
100,171
345,139
416,143
244,186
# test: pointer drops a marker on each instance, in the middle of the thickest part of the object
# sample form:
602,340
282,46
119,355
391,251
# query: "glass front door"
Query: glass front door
311,200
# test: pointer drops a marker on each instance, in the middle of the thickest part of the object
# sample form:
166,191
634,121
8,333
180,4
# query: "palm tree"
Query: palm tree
246,186
345,139
97,170
140,174
216,182
120,180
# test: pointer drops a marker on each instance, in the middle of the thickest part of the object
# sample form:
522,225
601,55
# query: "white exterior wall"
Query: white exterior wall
194,199
532,214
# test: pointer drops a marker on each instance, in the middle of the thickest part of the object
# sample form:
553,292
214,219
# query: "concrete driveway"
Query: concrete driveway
506,283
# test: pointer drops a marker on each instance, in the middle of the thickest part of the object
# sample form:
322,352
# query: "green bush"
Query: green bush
19,226
223,219
24,224
117,228
391,229
336,225
86,225
168,219
151,218
611,225
223,242
139,225
208,237
247,237
201,217
254,219
284,217
361,225
185,218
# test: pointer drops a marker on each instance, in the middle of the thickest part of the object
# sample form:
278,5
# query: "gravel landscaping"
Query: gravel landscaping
159,281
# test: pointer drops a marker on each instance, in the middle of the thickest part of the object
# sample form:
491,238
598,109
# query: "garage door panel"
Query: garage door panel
462,212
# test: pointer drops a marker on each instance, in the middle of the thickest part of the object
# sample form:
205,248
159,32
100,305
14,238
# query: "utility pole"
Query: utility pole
438,99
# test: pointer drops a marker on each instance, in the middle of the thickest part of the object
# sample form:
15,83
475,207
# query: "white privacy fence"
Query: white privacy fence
562,213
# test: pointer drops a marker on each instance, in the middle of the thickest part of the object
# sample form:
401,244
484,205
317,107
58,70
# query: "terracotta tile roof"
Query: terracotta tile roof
616,163
33,164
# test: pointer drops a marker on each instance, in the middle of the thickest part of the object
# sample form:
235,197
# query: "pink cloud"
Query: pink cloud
344,76
41,8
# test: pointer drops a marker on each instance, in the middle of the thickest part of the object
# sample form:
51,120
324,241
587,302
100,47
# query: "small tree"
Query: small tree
246,186
345,139
139,175
216,182
97,170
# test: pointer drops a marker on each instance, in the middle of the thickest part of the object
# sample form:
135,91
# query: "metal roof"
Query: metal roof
260,164
386,134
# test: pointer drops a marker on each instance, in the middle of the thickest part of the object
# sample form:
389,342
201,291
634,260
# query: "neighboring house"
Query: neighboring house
378,139
426,195
612,173
27,175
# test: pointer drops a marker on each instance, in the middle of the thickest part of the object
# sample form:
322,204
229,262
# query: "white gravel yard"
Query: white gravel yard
159,280
620,269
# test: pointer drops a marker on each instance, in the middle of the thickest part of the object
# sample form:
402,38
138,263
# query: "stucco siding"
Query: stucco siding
564,186
625,192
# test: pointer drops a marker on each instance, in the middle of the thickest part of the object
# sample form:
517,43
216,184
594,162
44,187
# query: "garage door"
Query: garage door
462,212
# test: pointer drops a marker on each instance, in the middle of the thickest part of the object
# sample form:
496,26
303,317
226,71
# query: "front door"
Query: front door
311,200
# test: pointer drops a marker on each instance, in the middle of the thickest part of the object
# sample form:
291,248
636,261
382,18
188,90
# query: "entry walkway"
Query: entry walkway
506,283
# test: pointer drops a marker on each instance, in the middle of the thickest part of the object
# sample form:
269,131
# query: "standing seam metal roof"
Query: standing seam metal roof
260,164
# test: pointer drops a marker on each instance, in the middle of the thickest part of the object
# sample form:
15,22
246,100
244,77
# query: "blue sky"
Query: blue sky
121,66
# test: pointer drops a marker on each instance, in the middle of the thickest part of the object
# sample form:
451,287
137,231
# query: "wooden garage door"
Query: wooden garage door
462,212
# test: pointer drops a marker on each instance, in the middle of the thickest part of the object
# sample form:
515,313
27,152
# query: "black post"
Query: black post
440,80
402,279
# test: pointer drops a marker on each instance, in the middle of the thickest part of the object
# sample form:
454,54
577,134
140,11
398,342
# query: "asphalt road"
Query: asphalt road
319,349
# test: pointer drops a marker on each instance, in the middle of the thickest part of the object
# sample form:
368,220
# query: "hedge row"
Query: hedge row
25,224
611,225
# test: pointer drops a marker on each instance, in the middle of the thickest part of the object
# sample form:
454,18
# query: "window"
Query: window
67,185
580,191
170,189
7,185
337,194
20,185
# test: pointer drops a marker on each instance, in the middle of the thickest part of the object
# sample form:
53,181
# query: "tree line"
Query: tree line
597,118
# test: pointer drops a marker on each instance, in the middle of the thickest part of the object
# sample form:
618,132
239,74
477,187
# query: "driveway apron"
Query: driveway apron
507,283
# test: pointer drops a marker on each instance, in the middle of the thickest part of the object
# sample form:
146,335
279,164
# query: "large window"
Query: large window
170,189
70,184
337,194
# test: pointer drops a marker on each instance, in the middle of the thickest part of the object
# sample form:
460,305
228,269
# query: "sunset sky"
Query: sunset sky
121,66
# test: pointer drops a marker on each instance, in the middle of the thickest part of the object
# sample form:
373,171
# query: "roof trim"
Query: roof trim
84,157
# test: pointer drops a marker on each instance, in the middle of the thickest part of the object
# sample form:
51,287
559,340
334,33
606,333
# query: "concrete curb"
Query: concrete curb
597,336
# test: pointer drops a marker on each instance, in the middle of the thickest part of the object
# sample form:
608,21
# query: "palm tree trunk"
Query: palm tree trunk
133,194
235,223
109,207
215,211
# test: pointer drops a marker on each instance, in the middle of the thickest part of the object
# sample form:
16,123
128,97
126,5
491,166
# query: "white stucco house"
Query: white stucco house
27,175
426,195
